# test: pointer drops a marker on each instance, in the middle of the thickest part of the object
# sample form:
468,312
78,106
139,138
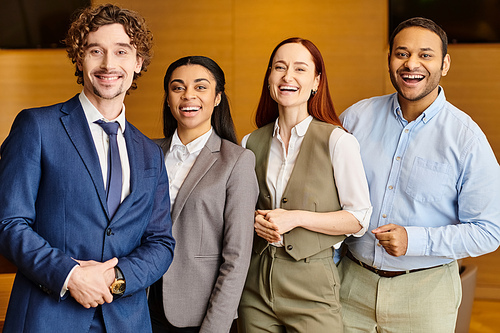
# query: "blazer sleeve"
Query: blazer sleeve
20,174
241,197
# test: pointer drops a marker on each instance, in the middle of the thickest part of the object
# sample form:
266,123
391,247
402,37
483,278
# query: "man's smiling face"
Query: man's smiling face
416,64
109,63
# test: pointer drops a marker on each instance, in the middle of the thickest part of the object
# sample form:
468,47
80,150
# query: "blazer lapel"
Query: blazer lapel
208,156
75,124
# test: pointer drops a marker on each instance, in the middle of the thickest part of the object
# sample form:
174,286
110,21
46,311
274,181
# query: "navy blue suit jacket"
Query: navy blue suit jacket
53,208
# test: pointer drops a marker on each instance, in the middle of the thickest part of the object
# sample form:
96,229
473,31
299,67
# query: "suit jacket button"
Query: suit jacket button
289,247
109,232
45,289
284,200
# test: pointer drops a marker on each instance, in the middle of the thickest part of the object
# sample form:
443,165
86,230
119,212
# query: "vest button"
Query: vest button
289,247
284,200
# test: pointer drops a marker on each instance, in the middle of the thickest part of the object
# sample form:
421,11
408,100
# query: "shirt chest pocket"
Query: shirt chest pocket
428,180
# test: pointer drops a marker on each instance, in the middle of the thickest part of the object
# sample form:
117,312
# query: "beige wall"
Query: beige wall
240,36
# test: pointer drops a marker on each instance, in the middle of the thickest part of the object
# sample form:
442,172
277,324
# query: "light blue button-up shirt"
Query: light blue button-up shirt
437,176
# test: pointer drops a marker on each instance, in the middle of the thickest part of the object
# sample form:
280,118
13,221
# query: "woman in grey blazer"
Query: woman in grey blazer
213,191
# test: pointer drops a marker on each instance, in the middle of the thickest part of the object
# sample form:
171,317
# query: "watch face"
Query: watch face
118,287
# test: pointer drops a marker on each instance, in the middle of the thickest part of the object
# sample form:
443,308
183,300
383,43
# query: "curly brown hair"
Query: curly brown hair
92,18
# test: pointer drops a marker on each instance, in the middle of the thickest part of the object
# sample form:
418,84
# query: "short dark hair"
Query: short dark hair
221,120
92,18
425,23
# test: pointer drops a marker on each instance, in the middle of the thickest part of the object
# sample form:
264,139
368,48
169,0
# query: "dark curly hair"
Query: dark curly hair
92,18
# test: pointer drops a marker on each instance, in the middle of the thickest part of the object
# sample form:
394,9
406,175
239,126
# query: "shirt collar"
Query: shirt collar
92,114
428,113
192,147
300,129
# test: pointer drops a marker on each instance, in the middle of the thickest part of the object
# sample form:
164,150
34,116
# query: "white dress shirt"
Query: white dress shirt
101,141
348,170
180,159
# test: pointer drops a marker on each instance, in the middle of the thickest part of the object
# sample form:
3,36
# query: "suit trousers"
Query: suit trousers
424,301
285,295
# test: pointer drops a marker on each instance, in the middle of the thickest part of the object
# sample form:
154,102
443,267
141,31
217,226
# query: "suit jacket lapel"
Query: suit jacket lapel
208,156
75,124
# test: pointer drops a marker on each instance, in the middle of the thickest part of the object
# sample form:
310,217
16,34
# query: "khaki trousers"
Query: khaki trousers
284,295
425,301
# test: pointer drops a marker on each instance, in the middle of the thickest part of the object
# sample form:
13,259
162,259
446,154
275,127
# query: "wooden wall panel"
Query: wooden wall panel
473,86
6,282
180,28
31,78
336,27
240,36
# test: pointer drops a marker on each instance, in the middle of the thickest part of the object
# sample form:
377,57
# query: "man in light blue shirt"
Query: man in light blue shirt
435,189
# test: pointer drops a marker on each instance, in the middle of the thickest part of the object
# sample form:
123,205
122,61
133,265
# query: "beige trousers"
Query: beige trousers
425,301
284,295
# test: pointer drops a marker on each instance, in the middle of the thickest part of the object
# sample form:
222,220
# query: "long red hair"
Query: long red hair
320,105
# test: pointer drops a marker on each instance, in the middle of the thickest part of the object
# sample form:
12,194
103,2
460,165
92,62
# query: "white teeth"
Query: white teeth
413,76
108,78
289,88
190,108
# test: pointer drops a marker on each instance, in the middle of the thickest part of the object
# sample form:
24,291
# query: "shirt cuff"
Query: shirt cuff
65,285
363,217
417,241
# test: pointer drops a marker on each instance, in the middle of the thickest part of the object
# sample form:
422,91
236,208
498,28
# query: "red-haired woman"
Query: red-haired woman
313,193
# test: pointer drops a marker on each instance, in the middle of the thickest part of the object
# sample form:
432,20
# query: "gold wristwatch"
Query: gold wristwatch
118,286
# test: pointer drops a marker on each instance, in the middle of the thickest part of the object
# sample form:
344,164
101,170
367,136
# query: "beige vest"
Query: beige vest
311,187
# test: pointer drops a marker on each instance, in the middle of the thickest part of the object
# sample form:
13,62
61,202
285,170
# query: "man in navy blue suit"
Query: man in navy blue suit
84,210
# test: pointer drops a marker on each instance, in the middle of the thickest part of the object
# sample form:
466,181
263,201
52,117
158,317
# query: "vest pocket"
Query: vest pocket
428,180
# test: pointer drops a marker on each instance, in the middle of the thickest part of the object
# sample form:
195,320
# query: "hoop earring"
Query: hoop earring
313,92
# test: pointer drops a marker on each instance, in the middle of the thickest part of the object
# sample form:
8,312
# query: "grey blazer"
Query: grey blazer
212,217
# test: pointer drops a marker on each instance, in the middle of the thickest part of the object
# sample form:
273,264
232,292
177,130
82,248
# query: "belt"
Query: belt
382,273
